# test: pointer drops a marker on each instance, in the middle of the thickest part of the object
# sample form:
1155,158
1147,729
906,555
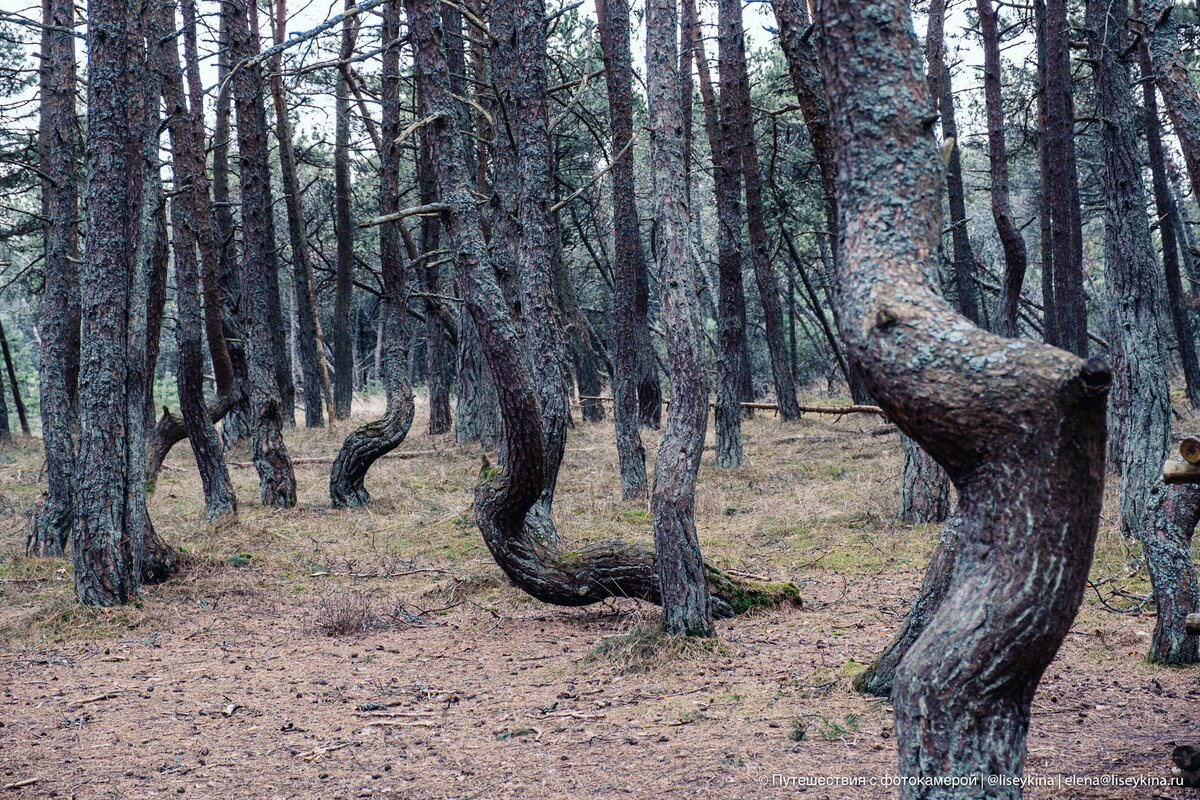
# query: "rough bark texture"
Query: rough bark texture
236,427
308,328
924,486
1019,427
110,502
363,447
877,679
277,482
685,598
518,540
219,498
760,257
436,358
343,347
963,289
1015,260
1062,186
1141,402
476,412
51,522
18,404
613,26
1046,239
1167,545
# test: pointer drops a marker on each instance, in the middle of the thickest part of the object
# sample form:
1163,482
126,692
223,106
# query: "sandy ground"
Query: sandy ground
225,683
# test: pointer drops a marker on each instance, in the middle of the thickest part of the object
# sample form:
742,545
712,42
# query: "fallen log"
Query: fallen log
838,410
1192,626
329,460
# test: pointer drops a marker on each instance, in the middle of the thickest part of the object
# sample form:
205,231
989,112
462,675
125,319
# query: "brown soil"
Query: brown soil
226,682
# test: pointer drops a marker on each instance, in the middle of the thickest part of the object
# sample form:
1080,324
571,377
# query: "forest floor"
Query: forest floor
379,652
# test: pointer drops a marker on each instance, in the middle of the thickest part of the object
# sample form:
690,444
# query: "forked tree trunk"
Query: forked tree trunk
51,522
614,44
277,482
924,486
877,679
363,447
1019,427
1167,545
1011,241
219,498
523,543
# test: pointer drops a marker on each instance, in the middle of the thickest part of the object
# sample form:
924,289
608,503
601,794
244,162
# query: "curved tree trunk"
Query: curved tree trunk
524,543
219,498
924,486
277,482
363,447
51,522
614,45
1019,427
878,678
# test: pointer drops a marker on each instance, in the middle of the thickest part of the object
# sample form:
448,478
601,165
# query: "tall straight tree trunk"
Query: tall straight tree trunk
436,358
235,428
614,25
312,359
277,482
764,273
1019,427
1062,185
1168,219
1011,241
1045,228
685,599
363,447
723,140
343,347
965,290
110,521
1141,399
51,523
219,498
206,231
31,544
523,543
801,54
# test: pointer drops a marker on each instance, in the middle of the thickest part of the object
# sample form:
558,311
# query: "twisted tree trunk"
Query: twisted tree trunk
363,447
524,544
1019,427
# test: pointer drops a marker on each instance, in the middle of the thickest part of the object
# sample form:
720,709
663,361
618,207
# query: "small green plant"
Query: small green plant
831,729
799,730
240,559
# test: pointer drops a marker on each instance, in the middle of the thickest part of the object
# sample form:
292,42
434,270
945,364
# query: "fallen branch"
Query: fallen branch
838,410
21,784
99,697
316,753
329,460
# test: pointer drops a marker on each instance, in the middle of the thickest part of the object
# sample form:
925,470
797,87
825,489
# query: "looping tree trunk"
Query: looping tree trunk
524,544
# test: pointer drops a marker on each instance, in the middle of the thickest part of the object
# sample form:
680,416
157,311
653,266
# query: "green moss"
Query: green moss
744,594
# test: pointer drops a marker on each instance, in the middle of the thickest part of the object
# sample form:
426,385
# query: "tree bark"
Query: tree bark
760,260
1019,427
687,608
110,522
924,486
277,481
1062,185
51,522
436,357
879,677
18,404
1013,244
236,427
524,544
1167,545
373,440
1141,402
964,291
613,18
343,347
312,357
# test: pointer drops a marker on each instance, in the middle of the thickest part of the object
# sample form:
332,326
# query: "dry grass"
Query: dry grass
302,618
